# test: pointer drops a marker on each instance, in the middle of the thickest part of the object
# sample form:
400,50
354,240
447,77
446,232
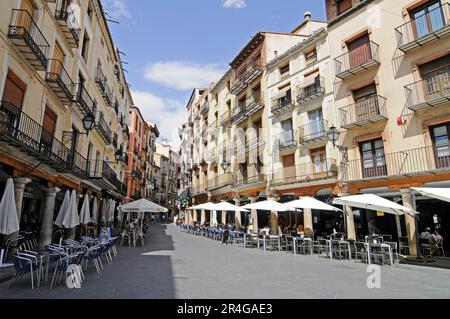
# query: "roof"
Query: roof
135,108
301,25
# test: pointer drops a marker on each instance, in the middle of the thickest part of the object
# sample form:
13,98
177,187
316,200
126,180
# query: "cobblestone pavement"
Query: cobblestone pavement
174,264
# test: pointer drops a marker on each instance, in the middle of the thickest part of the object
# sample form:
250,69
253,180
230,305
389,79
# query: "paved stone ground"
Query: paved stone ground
177,265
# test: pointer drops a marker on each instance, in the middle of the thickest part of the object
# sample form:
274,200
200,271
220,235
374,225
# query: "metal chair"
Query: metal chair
24,264
440,248
63,264
362,251
403,246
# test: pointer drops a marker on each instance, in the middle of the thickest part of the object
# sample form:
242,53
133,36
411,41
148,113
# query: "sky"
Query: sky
173,46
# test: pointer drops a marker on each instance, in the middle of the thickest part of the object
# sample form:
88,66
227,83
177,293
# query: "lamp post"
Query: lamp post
333,135
225,166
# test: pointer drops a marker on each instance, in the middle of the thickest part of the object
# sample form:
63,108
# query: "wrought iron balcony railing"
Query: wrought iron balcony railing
403,163
306,173
247,76
102,84
433,90
137,195
225,119
21,131
60,82
84,101
370,110
136,174
313,132
29,40
204,107
240,180
68,22
282,105
199,189
424,29
103,129
358,60
252,105
101,171
286,140
310,92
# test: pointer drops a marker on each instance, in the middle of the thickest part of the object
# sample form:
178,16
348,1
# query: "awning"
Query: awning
438,193
374,202
310,203
310,79
282,93
269,205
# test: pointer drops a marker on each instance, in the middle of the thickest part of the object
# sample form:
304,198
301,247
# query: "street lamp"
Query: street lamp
118,155
225,166
333,135
88,122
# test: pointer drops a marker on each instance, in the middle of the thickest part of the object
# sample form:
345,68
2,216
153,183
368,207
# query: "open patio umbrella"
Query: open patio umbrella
142,206
85,214
206,206
438,193
269,205
63,209
310,203
9,223
374,202
94,217
225,206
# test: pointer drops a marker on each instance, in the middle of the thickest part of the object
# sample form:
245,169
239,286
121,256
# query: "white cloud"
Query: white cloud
236,4
183,75
117,9
168,114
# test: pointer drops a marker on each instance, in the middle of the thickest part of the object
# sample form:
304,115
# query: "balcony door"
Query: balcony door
366,103
287,135
13,95
319,160
289,169
373,159
315,127
427,19
441,142
359,51
49,125
26,16
436,78
58,59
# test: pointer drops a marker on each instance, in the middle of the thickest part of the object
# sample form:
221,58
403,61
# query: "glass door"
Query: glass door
441,143
373,159
427,19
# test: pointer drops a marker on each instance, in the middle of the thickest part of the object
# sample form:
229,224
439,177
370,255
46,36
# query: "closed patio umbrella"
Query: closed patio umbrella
112,208
85,214
62,211
94,217
105,204
9,223
71,219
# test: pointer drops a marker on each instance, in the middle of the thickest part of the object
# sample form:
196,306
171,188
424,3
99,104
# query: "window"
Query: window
315,127
49,124
373,158
85,49
320,163
343,5
14,90
311,56
359,50
441,143
366,100
287,134
427,18
284,71
436,78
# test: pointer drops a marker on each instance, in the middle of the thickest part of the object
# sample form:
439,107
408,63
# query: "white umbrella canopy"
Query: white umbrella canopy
62,211
438,193
206,206
374,202
310,203
85,214
71,219
9,223
269,205
142,206
105,204
112,208
225,206
94,218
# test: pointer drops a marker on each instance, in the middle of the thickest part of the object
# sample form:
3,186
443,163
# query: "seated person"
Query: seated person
301,229
286,230
426,241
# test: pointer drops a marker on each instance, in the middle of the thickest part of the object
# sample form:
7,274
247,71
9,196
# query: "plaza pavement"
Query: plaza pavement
174,264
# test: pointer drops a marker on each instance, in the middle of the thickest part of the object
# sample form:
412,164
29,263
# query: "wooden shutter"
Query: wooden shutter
344,5
365,91
359,50
49,125
435,65
14,90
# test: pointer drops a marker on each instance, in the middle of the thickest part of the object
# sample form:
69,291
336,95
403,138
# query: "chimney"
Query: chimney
308,15
276,54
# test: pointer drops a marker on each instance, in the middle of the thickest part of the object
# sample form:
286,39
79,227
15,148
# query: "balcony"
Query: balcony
199,189
103,129
425,160
225,119
432,91
246,180
29,40
136,174
104,175
252,105
19,130
306,173
308,92
68,23
220,181
371,110
137,195
286,141
313,133
102,84
204,108
282,105
250,145
357,61
212,156
247,76
60,82
424,29
84,101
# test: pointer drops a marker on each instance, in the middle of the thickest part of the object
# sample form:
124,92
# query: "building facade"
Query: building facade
64,106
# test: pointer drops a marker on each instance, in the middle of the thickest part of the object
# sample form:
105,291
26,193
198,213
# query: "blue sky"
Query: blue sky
172,46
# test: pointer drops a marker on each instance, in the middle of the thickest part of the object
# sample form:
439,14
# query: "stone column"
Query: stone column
195,216
47,216
350,222
274,222
237,215
254,216
212,218
202,217
224,217
19,187
411,222
308,219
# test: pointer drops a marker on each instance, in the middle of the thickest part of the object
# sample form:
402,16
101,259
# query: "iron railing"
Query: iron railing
65,13
101,170
368,110
251,105
305,173
102,83
421,30
220,181
312,132
247,76
286,140
432,90
402,163
225,118
199,189
61,77
84,101
243,180
307,93
281,105
204,107
103,129
23,27
136,174
357,60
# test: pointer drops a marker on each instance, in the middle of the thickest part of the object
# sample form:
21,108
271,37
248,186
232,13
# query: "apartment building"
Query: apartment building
136,154
60,125
151,133
391,68
162,170
168,162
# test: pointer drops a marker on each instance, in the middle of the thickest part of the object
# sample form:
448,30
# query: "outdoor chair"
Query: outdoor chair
387,238
273,242
260,241
12,244
394,250
139,237
440,249
63,264
426,247
23,264
93,255
340,249
403,246
125,237
288,243
324,248
305,246
362,252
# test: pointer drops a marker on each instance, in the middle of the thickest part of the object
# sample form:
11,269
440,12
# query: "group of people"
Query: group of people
431,240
